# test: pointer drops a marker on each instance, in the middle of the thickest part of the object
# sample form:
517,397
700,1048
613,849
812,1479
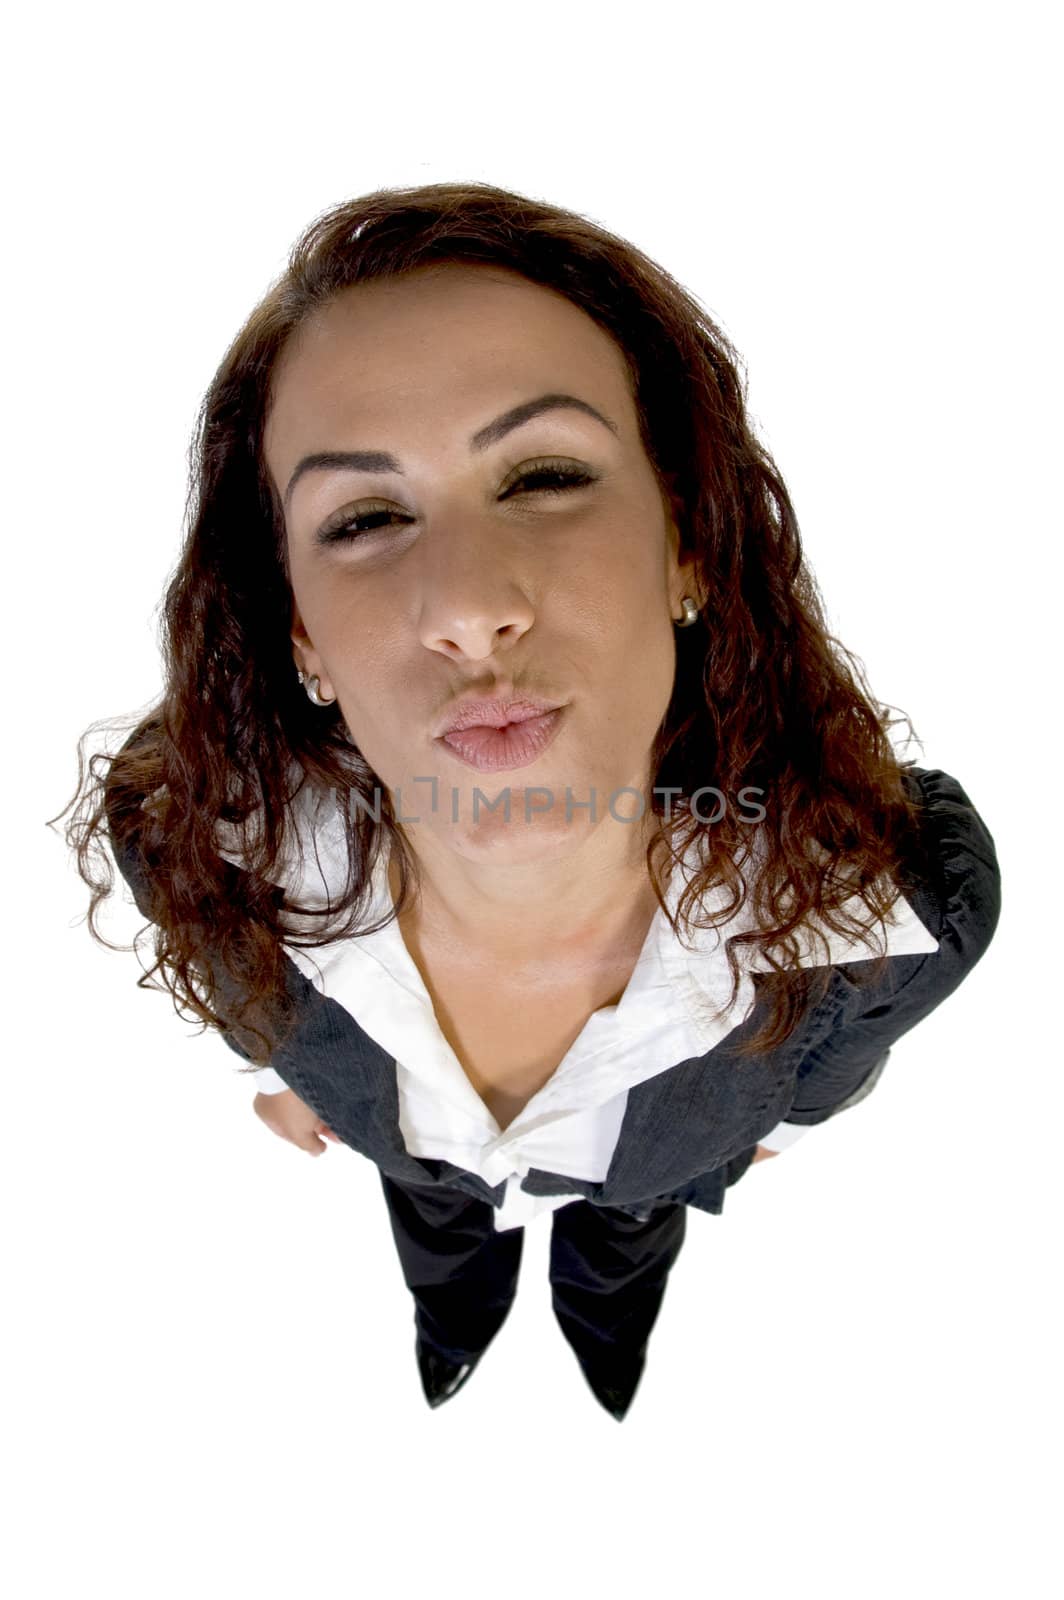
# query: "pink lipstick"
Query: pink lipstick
500,745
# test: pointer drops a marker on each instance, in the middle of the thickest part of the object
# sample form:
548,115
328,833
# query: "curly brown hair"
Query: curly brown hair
764,696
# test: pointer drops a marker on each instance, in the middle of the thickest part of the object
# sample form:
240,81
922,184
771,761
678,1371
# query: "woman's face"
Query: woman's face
464,582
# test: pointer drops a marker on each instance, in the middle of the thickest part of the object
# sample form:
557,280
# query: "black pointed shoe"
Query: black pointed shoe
441,1378
615,1388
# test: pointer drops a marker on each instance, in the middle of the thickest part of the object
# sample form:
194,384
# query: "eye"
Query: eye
551,477
548,477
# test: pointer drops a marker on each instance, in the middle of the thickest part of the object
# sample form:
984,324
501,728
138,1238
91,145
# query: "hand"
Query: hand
761,1152
291,1118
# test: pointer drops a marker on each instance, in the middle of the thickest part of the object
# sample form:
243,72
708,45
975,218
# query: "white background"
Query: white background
853,1385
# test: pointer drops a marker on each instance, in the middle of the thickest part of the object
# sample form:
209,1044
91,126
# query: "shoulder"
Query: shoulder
954,883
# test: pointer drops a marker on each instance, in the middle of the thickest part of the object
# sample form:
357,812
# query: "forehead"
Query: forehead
451,344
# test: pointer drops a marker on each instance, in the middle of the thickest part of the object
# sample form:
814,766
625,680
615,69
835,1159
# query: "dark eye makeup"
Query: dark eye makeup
545,478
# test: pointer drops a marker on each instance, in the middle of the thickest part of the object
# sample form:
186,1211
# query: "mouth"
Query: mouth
514,742
494,714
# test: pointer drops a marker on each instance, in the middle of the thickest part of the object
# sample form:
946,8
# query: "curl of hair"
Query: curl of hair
764,696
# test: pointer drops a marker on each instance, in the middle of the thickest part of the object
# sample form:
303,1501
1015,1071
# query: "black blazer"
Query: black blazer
692,1130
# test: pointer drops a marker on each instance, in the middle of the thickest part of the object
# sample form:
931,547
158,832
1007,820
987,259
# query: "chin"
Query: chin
544,835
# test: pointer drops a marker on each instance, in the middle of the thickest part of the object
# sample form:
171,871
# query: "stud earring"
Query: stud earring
313,688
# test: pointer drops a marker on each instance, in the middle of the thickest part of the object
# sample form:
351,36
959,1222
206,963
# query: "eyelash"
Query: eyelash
568,477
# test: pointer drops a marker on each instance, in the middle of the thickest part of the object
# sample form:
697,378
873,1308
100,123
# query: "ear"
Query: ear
306,657
682,570
689,581
684,576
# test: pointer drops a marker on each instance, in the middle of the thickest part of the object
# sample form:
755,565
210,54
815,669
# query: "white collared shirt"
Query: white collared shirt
671,1010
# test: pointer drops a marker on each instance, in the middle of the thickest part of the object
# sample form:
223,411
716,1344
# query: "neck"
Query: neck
567,908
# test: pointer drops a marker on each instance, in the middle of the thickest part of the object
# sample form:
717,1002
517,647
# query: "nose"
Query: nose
473,601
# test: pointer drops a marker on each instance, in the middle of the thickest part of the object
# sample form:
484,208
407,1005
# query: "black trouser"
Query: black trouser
608,1271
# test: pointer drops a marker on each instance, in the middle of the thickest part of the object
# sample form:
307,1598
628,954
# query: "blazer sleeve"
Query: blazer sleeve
960,905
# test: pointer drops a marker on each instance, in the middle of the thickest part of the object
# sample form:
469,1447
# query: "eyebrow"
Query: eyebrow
382,461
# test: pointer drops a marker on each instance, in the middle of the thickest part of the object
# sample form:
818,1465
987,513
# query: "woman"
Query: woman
508,805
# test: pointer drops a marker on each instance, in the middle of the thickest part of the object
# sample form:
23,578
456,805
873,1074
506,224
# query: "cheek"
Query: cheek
646,665
358,639
636,616
616,590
